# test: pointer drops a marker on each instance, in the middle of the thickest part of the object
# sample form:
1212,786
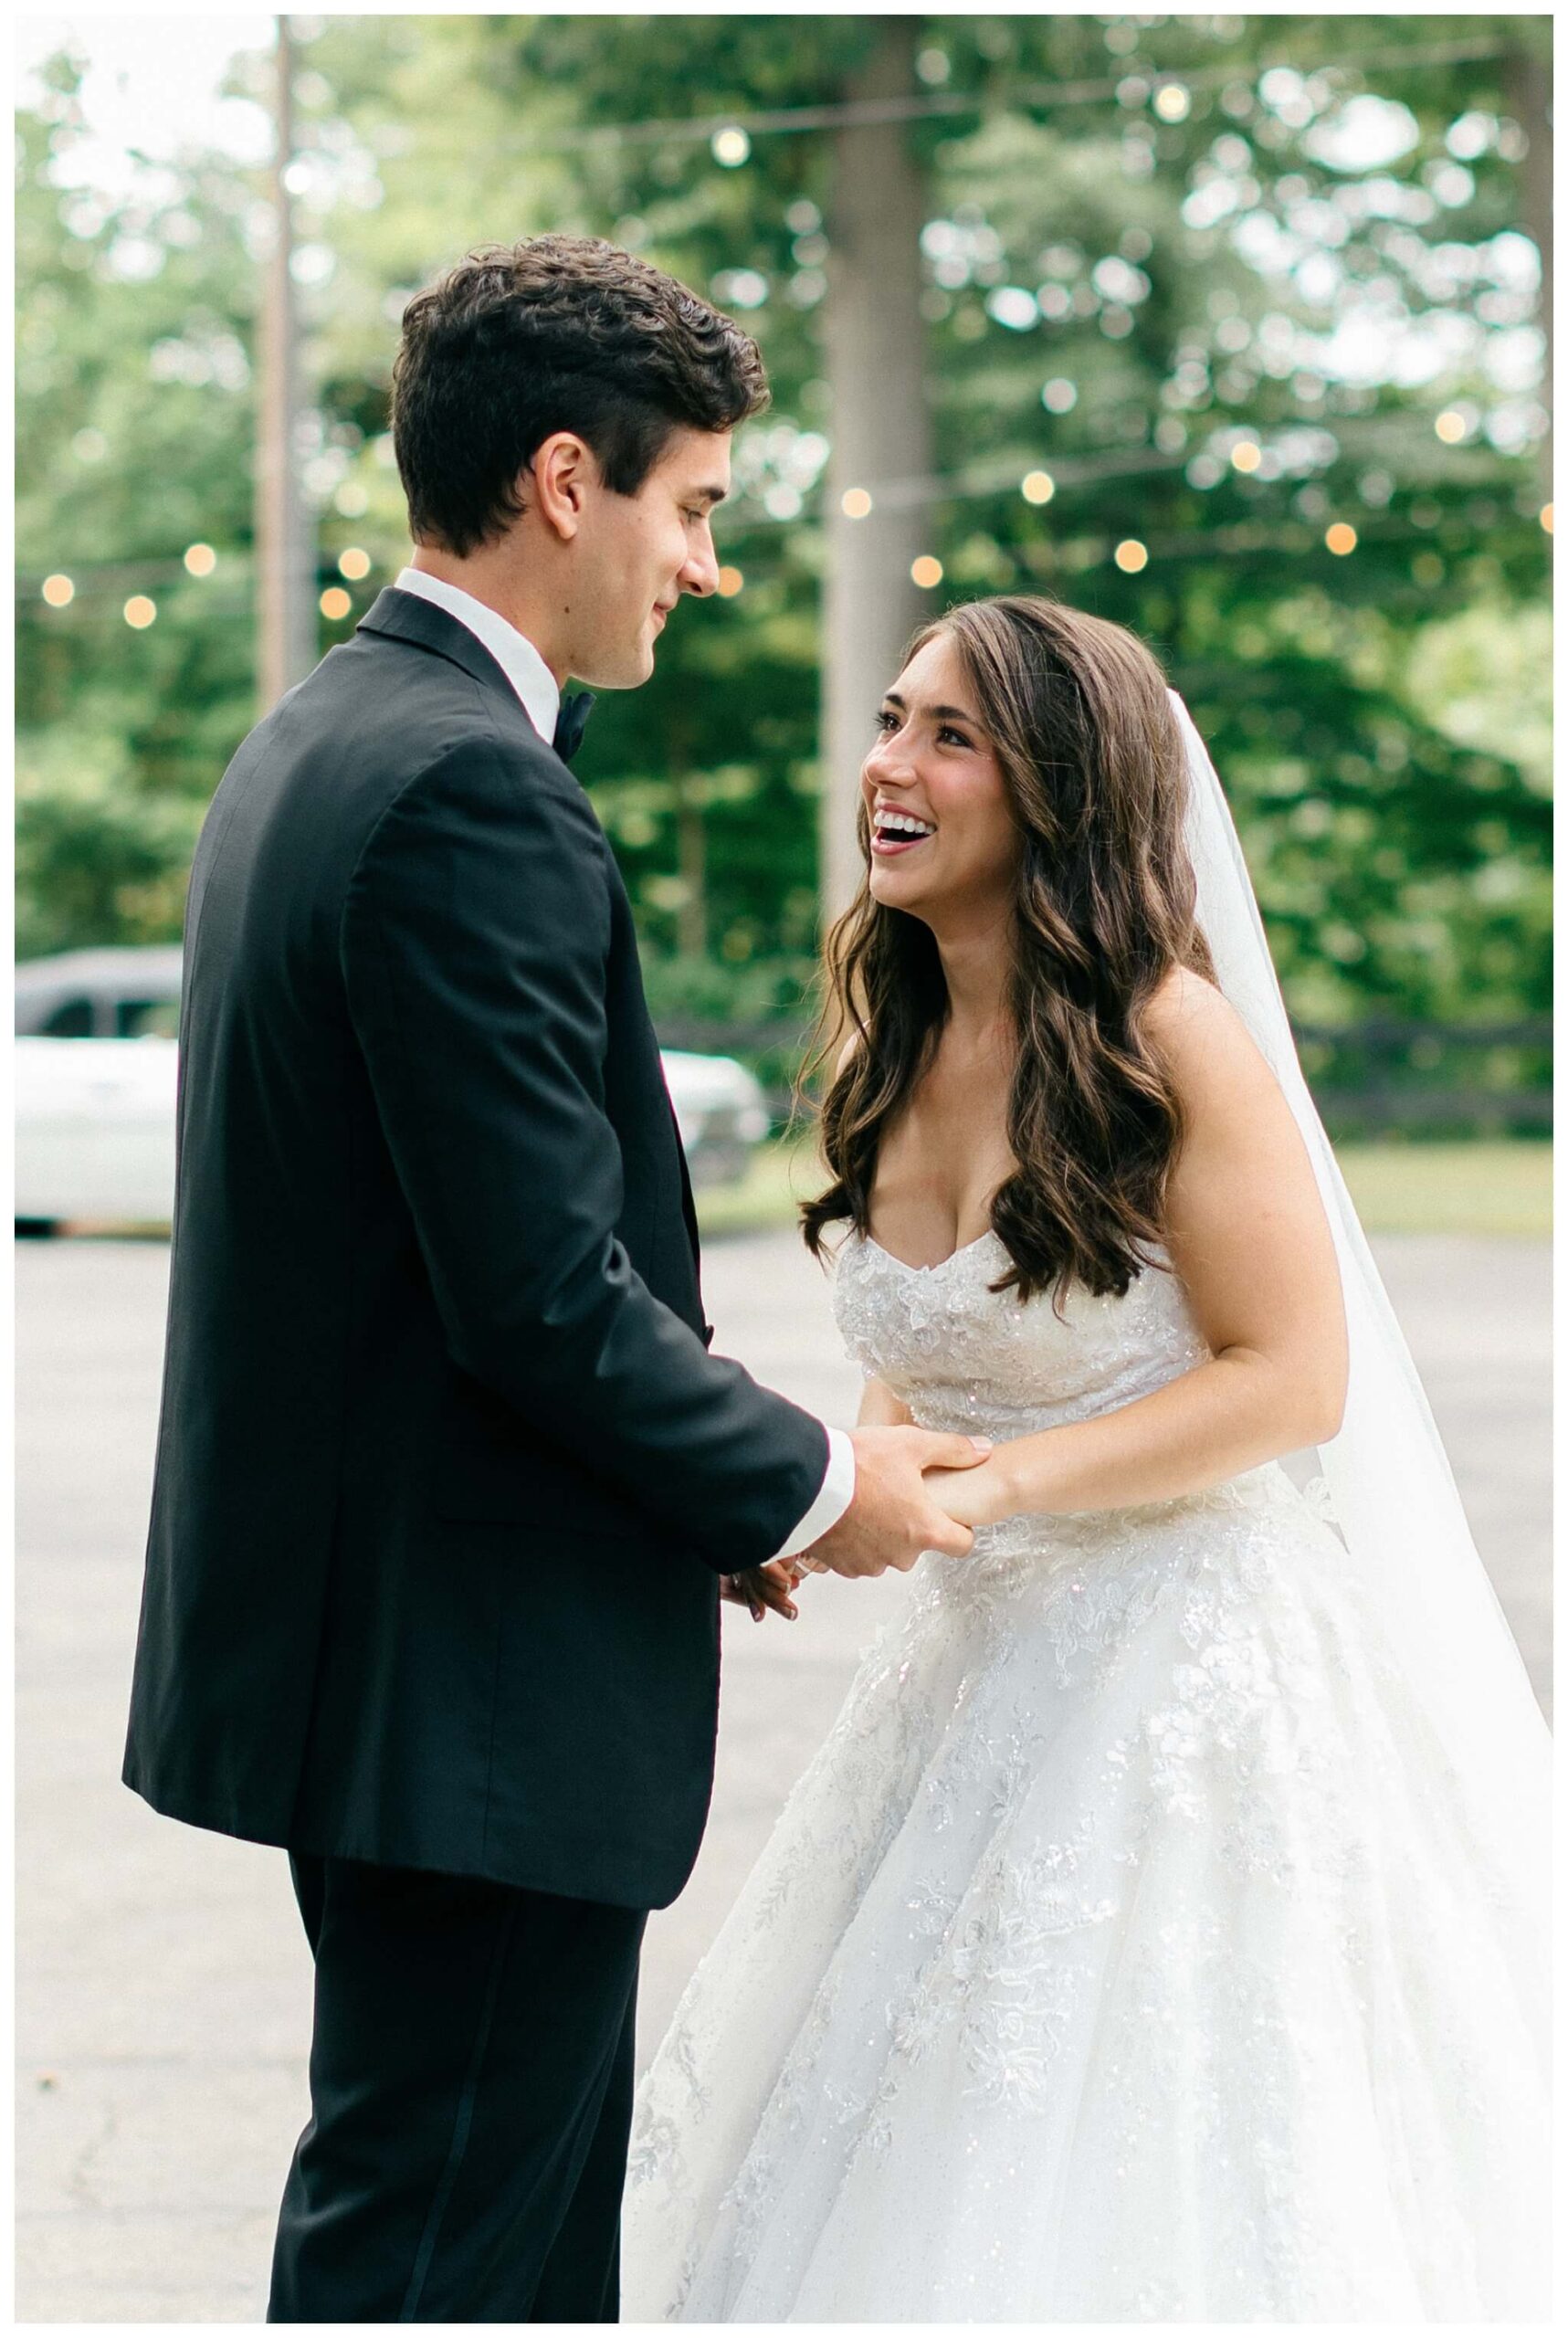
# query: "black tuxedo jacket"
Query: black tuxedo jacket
445,1476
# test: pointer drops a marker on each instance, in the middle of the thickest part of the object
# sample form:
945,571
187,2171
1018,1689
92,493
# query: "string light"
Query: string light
926,571
857,503
729,583
1449,427
1037,487
353,563
200,559
1130,555
1340,538
335,604
140,612
59,592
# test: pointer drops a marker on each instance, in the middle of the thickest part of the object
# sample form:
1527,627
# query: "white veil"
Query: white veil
1390,1491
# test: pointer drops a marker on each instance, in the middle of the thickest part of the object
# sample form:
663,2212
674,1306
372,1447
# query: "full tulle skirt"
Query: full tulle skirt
1127,1953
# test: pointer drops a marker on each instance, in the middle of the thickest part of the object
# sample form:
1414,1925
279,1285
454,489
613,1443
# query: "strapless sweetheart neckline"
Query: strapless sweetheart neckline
937,1264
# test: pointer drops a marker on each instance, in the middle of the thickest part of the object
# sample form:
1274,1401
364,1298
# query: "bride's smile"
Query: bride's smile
939,830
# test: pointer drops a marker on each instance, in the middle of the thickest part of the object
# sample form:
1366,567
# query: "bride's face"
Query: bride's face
942,833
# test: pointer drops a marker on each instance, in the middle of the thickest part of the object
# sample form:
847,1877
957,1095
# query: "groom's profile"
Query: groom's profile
447,1477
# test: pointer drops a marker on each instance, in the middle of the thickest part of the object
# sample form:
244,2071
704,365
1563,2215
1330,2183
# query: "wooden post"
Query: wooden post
874,342
1528,80
285,580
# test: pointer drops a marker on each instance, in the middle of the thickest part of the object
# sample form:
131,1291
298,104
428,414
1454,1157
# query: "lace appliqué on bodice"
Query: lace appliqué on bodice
963,1356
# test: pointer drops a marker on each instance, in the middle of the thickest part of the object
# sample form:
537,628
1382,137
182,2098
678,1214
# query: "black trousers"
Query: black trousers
471,2092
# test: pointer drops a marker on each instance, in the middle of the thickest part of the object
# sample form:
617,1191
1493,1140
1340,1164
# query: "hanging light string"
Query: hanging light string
1131,554
991,480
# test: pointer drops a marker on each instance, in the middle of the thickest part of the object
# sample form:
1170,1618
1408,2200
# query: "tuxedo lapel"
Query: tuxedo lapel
406,616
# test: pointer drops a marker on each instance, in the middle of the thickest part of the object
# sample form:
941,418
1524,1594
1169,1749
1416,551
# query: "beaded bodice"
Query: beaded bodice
962,1356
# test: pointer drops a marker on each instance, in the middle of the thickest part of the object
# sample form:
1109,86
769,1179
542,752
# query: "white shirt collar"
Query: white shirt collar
516,655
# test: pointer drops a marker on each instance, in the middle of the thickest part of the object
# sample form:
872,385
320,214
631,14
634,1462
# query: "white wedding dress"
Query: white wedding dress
1131,1950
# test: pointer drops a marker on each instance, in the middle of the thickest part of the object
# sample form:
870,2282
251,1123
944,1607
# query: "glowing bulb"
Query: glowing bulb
58,591
336,603
1037,487
200,559
140,612
857,503
353,563
1130,555
926,571
1340,538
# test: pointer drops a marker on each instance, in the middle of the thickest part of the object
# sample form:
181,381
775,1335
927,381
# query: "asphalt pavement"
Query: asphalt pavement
164,1984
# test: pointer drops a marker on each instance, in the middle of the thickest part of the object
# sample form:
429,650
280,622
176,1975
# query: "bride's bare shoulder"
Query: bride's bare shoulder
1205,1045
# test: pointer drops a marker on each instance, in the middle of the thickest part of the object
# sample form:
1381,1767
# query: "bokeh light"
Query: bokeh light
1038,487
59,592
335,604
1130,555
926,571
200,559
140,612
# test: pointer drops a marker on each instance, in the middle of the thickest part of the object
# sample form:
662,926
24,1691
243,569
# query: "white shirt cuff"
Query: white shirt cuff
837,1493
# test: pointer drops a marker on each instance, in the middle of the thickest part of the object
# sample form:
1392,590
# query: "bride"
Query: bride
1159,1933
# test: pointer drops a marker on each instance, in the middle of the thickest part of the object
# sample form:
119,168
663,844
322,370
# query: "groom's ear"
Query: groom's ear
559,481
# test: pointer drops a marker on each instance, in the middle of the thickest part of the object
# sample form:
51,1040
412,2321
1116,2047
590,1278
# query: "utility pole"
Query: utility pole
1527,72
285,580
874,342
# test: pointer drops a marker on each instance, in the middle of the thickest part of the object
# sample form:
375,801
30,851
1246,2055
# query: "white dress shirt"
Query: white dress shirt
537,688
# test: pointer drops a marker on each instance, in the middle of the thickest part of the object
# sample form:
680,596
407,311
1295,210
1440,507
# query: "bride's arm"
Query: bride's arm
1248,1237
879,1408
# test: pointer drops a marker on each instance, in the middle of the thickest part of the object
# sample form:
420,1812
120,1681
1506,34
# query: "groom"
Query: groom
446,1479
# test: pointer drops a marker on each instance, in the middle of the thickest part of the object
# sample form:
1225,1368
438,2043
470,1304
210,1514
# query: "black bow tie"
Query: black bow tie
571,724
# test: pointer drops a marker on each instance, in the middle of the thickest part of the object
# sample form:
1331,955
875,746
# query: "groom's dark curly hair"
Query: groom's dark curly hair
557,333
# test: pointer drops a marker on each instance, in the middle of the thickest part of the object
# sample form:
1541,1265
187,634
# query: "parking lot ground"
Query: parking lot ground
163,1982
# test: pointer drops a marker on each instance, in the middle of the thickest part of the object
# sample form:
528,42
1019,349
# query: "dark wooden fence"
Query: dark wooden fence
1384,1076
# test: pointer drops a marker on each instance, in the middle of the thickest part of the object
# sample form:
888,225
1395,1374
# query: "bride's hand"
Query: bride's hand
977,1497
770,1585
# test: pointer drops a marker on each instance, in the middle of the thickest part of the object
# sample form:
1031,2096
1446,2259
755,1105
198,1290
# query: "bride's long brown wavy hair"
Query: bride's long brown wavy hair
1093,763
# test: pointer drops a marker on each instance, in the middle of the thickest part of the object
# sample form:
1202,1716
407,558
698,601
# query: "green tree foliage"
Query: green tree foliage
1221,299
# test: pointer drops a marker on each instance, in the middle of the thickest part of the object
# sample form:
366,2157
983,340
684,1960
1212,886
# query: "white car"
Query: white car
95,1063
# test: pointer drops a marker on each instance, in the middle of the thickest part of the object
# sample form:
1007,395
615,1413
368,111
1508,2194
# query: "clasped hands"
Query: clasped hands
915,1490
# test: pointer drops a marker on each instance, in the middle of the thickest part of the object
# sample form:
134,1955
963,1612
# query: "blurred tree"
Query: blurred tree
132,402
